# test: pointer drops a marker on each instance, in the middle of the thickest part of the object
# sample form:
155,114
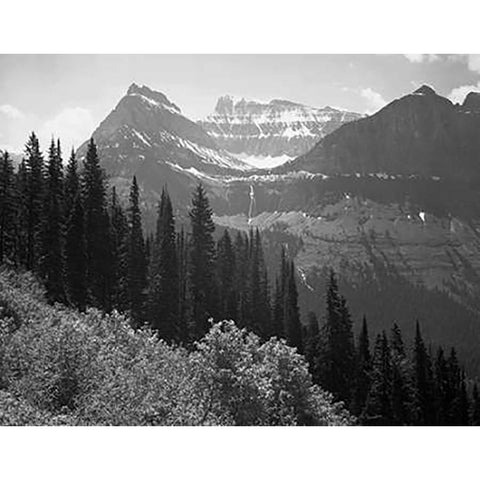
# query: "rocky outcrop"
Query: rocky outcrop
267,134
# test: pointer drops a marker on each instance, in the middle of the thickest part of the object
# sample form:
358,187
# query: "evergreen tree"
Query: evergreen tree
453,389
182,262
72,183
338,357
136,264
164,286
378,408
76,256
311,342
119,242
442,388
97,230
51,261
423,385
293,328
475,416
22,217
226,266
401,398
202,264
279,300
33,201
8,212
242,253
363,370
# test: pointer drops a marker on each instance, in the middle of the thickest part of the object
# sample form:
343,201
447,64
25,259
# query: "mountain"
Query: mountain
15,157
268,134
147,135
390,201
421,134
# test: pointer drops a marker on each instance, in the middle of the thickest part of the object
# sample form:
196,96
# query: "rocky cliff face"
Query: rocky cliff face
268,134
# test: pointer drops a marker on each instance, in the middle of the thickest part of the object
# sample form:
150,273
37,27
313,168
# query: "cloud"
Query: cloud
73,126
11,112
421,57
374,100
458,94
473,62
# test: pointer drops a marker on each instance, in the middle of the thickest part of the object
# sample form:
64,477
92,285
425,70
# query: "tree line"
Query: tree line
89,249
390,384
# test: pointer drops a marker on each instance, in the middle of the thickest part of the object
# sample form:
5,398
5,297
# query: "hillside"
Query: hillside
61,367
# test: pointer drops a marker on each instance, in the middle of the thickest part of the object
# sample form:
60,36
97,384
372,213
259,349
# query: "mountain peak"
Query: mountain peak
153,97
225,105
425,90
472,101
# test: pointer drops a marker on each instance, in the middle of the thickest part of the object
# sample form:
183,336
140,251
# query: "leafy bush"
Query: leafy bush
61,367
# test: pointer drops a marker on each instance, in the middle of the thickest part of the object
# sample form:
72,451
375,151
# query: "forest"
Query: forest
103,322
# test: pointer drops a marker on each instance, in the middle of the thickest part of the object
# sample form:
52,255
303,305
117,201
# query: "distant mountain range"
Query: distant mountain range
390,199
269,134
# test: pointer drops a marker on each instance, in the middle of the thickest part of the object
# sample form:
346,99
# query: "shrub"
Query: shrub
62,367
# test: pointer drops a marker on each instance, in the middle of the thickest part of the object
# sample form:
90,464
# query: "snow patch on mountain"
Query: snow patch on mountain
279,128
262,161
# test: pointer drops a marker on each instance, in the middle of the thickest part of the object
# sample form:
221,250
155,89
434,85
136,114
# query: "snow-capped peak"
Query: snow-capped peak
153,98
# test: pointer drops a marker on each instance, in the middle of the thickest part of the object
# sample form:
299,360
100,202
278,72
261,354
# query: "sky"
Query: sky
67,96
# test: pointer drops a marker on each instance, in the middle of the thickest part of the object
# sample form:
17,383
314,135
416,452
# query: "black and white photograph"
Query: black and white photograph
244,239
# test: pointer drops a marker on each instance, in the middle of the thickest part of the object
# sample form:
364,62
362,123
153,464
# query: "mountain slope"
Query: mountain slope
419,134
147,135
268,134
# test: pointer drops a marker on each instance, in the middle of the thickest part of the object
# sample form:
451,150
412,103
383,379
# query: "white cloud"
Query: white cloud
11,112
73,126
374,100
421,57
473,62
458,94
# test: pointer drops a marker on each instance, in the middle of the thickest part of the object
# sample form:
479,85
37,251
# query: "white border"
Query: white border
247,26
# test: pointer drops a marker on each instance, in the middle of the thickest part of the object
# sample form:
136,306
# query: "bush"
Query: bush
61,367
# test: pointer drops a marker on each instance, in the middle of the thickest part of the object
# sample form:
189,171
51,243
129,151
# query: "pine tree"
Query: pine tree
293,328
202,264
256,303
76,256
136,263
401,395
338,356
475,415
51,260
363,370
8,212
164,286
119,248
311,342
226,266
183,288
423,385
34,195
378,408
22,218
464,404
279,300
242,253
72,183
442,388
97,230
